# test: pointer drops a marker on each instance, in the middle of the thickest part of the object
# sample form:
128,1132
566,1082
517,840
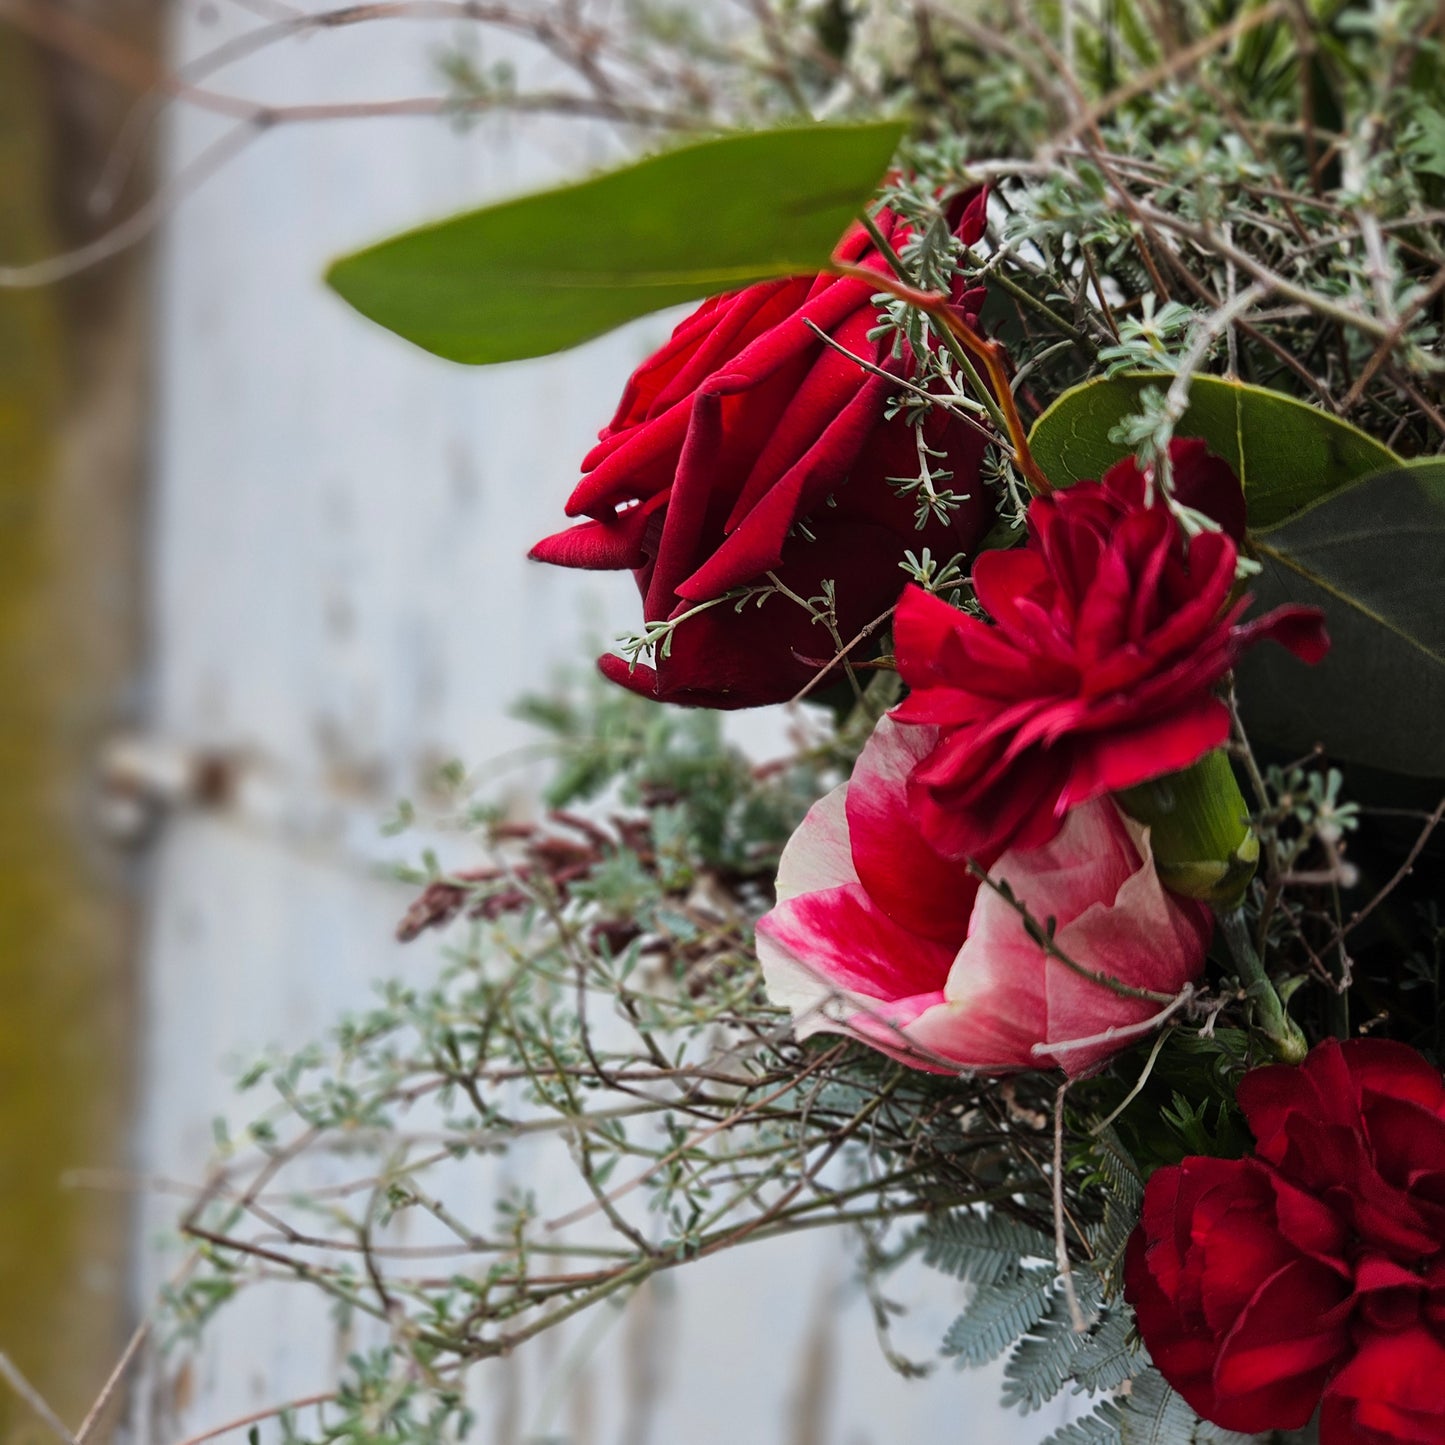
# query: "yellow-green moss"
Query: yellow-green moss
60,943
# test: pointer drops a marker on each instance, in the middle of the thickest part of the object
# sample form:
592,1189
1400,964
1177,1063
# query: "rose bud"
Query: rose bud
1311,1276
750,445
879,937
1111,630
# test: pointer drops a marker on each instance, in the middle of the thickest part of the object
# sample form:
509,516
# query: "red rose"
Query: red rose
748,445
878,937
1110,631
1315,1270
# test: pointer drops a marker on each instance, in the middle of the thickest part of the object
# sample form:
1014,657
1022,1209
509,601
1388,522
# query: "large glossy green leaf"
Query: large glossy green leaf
1371,557
548,271
1286,453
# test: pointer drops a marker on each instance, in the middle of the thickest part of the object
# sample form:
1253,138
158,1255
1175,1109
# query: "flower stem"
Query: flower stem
1270,1015
884,247
964,344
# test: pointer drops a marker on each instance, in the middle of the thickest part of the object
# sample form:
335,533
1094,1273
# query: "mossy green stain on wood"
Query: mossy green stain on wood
61,941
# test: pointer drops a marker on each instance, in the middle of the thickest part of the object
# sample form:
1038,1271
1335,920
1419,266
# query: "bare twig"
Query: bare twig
32,1397
257,1417
129,1356
1061,1238
1401,874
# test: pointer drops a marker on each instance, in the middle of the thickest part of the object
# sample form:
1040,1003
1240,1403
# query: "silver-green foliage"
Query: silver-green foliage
1056,1335
1149,1414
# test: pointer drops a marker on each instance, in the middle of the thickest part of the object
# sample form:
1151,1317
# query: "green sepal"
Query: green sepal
1199,829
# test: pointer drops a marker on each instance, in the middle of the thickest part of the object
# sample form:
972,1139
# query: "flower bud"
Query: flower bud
1199,829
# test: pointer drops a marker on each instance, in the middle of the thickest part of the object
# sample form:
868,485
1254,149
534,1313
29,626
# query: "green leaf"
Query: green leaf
1425,140
1370,556
549,271
1287,454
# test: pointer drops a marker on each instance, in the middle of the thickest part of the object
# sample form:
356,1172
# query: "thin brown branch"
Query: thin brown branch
1061,1238
1401,874
305,1402
10,1372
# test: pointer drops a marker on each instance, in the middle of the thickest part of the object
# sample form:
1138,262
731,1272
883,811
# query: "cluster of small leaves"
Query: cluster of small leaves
947,578
599,1020
1056,1332
1309,812
1207,188
709,806
934,500
656,638
382,1396
1149,340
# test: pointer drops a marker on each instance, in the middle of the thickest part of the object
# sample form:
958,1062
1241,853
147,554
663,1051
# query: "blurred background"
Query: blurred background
261,572
75,393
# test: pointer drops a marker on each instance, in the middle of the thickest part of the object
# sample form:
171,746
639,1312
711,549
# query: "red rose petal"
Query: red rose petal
1206,483
1272,1367
1299,629
756,447
1389,1394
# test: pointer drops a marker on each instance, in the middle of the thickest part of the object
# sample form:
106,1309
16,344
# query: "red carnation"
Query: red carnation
1110,630
749,445
1314,1271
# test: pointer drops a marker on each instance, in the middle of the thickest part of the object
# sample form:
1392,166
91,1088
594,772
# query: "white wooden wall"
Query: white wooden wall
341,594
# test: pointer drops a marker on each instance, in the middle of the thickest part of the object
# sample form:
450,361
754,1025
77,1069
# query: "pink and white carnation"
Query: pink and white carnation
879,937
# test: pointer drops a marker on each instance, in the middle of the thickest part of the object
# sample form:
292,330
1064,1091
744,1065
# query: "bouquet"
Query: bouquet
1064,450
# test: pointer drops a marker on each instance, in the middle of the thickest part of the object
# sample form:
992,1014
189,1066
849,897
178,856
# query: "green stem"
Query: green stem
964,361
980,387
1027,297
1270,1016
884,247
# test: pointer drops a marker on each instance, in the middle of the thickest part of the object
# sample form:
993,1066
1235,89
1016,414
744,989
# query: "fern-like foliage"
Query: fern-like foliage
1091,1430
1118,1179
1150,1414
985,1249
1109,1354
999,1315
1042,1362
